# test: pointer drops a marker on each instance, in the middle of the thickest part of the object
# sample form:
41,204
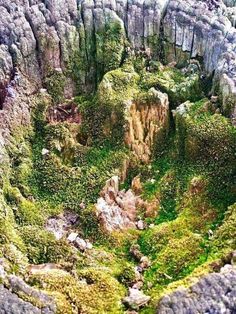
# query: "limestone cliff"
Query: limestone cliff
38,38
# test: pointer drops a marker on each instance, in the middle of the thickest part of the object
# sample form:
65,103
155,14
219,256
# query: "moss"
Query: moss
42,247
177,258
179,87
225,236
17,260
127,275
90,225
8,231
55,84
97,293
209,139
28,212
110,42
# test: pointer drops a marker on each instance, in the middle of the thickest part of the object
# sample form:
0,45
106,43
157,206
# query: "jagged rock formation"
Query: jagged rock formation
39,38
214,293
116,209
145,121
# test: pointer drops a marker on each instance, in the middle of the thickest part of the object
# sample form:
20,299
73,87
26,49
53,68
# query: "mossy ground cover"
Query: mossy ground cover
192,178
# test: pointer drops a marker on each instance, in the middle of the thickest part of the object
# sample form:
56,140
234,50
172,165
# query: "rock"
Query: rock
45,151
57,226
139,269
138,285
116,209
35,269
89,245
61,224
219,287
140,225
12,303
145,262
145,121
233,259
136,185
80,243
72,236
136,299
135,251
214,99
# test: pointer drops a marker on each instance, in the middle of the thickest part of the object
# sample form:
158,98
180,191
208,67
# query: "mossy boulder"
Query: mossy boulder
94,291
42,246
225,236
179,86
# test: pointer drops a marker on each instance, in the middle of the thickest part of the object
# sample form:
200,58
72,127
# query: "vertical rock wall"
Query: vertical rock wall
39,37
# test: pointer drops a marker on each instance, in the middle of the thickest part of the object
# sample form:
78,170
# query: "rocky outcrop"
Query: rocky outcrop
116,209
210,36
214,293
40,37
17,297
146,119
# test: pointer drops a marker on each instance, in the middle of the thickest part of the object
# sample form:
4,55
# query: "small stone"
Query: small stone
145,262
89,245
45,151
135,251
136,299
72,237
140,225
214,99
2,272
43,91
233,259
82,205
80,243
138,285
139,269
136,185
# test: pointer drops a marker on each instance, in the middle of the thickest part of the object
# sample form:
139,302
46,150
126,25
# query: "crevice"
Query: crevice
3,94
27,17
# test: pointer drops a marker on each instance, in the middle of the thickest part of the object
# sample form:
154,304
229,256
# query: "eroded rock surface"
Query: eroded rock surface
41,38
116,209
214,293
145,121
17,297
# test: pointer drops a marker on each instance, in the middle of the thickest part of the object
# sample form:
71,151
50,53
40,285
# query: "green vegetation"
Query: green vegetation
57,166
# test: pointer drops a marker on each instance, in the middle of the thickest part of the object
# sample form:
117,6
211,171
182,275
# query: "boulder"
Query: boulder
136,299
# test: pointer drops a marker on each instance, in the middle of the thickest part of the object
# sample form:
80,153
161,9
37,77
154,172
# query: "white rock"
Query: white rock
80,243
89,245
72,237
140,225
45,151
136,298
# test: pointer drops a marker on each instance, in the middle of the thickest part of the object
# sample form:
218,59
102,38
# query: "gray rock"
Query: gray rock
136,299
214,293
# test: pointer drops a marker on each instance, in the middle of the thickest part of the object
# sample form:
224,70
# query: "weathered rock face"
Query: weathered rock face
14,298
116,209
40,37
219,288
145,121
210,36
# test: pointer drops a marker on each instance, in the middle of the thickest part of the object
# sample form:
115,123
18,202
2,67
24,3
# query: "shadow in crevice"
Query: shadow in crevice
3,94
